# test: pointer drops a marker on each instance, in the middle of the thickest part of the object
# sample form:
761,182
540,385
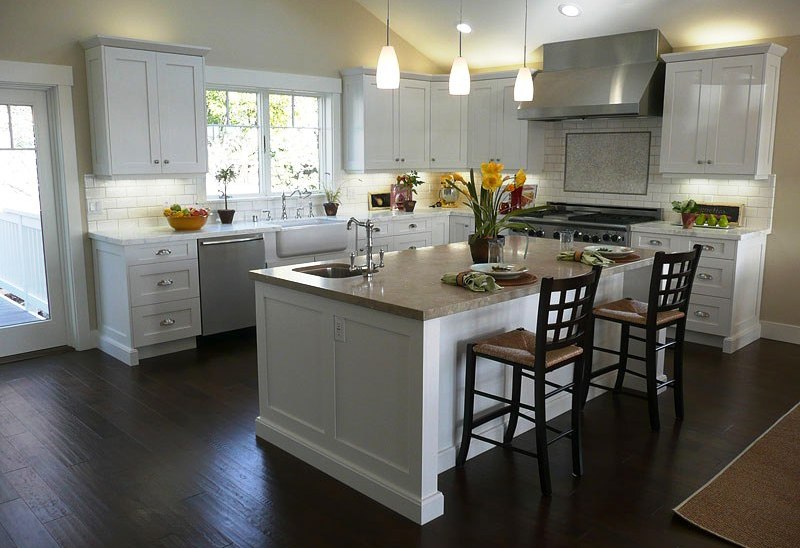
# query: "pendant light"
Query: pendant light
523,86
459,73
388,73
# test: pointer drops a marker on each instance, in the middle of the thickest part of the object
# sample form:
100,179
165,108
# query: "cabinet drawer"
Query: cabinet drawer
163,282
658,242
409,227
378,243
412,241
716,249
709,315
158,253
714,278
382,229
158,323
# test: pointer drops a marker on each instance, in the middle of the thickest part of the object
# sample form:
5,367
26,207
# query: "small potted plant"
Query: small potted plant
224,177
689,211
410,180
332,194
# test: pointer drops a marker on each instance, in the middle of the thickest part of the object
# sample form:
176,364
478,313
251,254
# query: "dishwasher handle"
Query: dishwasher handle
232,241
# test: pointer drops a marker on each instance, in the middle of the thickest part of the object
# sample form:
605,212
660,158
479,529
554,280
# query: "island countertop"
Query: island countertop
410,284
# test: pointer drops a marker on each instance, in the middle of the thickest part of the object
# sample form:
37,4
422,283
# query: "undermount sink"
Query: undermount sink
310,237
336,270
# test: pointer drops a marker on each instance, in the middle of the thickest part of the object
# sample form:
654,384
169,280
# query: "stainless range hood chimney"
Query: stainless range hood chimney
609,76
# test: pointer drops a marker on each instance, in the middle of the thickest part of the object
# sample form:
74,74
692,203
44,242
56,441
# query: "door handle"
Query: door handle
232,241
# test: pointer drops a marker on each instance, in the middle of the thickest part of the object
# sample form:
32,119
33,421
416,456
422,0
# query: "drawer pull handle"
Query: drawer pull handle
412,225
167,322
656,242
412,247
162,252
165,283
376,229
704,276
708,248
702,314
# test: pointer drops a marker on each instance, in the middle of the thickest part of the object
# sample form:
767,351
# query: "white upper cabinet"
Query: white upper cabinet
495,133
719,111
385,129
146,107
448,135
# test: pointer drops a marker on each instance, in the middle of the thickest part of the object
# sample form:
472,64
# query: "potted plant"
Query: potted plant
689,211
332,194
410,180
485,204
224,177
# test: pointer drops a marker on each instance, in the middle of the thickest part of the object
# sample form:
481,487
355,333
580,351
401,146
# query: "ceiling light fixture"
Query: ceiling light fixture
459,73
463,27
388,73
570,10
523,86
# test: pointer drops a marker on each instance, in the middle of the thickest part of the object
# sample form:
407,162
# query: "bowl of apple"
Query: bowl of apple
186,218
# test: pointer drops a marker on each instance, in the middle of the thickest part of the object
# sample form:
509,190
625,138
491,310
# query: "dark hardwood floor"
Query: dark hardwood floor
93,453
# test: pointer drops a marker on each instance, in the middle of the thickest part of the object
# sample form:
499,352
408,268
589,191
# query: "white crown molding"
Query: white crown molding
261,79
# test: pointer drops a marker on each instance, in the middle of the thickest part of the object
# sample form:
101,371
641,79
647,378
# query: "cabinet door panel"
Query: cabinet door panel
181,100
132,96
413,124
482,124
448,128
512,133
685,130
734,111
379,126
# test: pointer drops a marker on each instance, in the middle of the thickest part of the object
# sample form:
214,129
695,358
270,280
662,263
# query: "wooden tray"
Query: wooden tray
629,259
524,279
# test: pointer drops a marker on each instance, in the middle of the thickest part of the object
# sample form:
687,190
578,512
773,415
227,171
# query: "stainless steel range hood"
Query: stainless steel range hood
609,76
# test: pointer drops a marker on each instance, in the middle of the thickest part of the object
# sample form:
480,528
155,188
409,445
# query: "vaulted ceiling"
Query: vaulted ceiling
496,39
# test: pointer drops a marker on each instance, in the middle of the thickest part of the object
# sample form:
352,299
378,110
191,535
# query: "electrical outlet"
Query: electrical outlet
338,329
95,207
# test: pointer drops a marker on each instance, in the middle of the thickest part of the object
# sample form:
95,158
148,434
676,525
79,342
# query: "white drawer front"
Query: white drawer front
709,315
163,322
157,253
659,242
382,229
163,282
714,278
412,241
715,249
409,227
378,243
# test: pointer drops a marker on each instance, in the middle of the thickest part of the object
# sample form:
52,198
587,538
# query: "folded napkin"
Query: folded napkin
474,281
585,257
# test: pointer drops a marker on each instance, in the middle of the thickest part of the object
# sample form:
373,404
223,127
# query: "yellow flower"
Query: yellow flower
519,179
459,178
491,176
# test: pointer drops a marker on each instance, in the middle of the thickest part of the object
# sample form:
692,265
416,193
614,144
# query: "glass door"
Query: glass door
31,294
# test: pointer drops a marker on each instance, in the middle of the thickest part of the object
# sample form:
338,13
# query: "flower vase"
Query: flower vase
479,247
688,219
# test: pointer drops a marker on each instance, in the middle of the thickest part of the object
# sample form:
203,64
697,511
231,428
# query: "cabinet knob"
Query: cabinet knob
709,162
165,283
166,161
397,159
656,242
402,159
412,225
376,229
412,247
156,161
702,314
704,276
699,161
167,322
433,159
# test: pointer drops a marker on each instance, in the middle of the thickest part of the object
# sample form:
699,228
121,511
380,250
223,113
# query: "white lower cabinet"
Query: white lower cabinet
411,241
726,296
461,228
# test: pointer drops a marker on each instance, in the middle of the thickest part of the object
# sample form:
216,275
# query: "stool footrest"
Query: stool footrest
490,416
604,370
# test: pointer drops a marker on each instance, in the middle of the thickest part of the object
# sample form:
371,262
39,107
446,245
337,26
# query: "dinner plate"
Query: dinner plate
610,251
500,271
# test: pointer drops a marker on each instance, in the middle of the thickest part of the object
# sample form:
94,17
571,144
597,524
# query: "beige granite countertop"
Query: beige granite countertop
667,227
410,284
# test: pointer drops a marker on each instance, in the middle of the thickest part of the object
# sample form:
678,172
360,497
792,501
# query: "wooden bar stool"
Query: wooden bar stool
560,339
670,289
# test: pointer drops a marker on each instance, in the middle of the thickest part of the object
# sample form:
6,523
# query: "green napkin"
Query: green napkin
585,257
474,281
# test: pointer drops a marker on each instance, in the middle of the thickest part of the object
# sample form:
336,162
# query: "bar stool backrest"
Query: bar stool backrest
563,321
671,282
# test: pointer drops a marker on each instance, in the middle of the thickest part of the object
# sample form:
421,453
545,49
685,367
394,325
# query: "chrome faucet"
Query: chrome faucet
310,209
305,193
370,267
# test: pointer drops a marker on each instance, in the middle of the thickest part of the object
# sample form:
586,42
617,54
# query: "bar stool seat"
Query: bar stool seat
519,346
635,312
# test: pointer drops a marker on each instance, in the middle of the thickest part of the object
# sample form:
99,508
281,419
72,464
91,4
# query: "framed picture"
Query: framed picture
379,200
529,195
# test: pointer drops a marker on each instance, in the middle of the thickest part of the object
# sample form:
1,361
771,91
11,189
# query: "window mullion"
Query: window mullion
266,158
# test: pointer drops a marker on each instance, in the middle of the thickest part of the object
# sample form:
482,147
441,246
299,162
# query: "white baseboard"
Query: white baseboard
781,332
125,354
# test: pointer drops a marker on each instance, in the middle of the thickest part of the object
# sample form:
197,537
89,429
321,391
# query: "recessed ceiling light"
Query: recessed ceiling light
464,27
570,10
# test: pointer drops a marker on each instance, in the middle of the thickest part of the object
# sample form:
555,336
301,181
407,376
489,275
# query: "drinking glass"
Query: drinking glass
495,251
567,241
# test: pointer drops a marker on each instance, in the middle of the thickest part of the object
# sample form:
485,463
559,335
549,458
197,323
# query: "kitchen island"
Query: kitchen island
364,378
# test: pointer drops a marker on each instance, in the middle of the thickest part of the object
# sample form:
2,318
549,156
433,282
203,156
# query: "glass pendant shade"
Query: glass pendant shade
523,87
388,73
459,77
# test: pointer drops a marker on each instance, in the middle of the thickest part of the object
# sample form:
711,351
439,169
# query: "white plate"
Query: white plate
500,271
610,251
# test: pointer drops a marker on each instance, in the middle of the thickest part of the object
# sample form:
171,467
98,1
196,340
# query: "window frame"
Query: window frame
325,141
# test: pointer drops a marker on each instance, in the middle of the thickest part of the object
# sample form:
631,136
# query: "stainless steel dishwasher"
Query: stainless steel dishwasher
227,295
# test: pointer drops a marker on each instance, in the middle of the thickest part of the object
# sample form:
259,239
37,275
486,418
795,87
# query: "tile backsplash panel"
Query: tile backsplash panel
131,203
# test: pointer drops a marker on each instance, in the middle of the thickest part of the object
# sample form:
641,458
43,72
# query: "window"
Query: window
274,140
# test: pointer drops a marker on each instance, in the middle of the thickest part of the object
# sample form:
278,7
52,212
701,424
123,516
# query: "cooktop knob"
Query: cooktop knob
540,233
587,238
606,237
595,238
577,235
616,238
556,235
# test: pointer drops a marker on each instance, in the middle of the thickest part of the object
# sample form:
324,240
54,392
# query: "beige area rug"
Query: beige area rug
755,500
